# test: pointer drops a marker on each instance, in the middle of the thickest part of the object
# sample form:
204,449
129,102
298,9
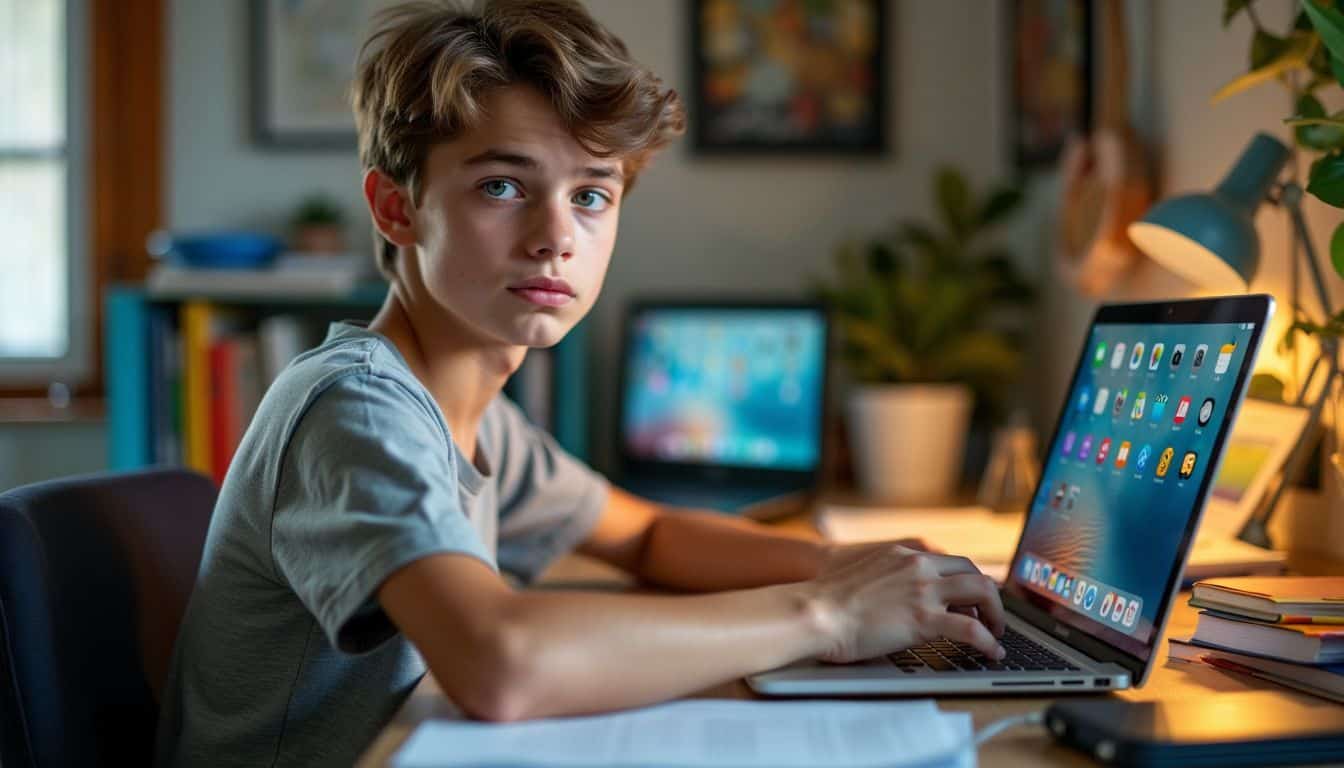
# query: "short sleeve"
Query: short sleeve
549,501
368,485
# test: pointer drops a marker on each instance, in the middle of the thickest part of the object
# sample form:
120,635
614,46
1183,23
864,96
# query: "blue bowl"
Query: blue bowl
225,250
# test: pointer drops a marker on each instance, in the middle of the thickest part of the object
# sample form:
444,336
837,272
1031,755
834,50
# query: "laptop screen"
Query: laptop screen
1126,473
723,385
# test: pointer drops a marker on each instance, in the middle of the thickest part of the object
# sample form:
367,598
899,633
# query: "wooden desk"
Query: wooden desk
1026,746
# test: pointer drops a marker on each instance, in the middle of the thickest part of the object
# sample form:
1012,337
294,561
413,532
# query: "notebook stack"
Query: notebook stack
1285,630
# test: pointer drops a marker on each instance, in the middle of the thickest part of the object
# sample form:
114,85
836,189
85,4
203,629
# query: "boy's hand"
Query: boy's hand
873,599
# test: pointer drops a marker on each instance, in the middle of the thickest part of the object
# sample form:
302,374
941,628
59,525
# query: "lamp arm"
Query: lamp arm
1290,197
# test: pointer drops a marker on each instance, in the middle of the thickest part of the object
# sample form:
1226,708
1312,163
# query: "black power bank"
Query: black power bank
1224,729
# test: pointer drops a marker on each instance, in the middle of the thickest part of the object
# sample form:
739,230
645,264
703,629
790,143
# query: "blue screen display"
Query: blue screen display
739,387
1122,479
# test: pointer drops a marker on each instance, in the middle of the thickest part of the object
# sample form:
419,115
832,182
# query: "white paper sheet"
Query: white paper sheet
708,733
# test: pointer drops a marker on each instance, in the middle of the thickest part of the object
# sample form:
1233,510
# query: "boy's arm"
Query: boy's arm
503,654
700,551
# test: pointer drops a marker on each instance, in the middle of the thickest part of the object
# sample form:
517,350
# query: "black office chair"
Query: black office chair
95,572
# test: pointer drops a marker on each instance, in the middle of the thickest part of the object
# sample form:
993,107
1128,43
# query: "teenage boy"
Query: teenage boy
385,486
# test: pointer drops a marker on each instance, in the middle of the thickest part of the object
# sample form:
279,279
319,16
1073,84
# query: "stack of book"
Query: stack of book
1284,630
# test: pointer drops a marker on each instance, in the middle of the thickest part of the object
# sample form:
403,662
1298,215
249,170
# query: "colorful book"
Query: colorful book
197,318
224,414
1326,681
1301,643
1284,600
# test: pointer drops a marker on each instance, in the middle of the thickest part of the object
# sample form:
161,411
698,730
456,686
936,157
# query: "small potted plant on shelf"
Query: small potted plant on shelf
318,226
931,322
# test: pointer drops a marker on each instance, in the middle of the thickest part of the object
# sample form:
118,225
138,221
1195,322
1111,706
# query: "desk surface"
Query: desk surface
1021,747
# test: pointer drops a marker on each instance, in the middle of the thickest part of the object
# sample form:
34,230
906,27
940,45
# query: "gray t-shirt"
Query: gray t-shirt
346,474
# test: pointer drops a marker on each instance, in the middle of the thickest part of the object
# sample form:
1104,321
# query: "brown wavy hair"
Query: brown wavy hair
423,72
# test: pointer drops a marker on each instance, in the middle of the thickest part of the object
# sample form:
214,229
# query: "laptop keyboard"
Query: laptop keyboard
1024,654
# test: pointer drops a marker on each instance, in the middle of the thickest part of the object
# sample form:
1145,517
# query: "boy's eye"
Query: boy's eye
592,200
501,189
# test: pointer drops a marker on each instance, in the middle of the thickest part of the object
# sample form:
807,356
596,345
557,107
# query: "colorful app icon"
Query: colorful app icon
1072,498
1120,398
1103,397
1085,448
1069,440
1106,603
1103,451
1091,597
1058,498
1122,455
1224,357
1177,356
1155,359
1159,406
1182,410
1201,352
1140,400
1036,573
1045,573
1118,610
1145,456
1164,461
1026,569
1206,412
1131,613
1188,464
1084,398
1054,579
1118,356
1079,592
1136,357
1099,357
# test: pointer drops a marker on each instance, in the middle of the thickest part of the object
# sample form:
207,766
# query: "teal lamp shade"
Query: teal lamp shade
1209,238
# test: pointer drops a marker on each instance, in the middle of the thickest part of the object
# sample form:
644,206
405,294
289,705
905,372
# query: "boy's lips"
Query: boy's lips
544,291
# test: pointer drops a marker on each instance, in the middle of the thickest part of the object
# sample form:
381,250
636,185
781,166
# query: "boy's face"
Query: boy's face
516,225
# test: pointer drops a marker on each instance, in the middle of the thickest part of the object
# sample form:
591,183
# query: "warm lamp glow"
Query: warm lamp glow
1187,258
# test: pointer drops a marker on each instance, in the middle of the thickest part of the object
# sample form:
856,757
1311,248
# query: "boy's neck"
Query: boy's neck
462,376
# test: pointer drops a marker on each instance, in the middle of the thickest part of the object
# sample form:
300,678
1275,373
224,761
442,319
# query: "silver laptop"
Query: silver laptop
1100,556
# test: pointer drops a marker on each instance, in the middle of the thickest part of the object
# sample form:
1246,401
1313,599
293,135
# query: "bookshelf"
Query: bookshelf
184,372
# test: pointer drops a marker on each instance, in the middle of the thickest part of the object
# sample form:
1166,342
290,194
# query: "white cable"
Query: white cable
999,726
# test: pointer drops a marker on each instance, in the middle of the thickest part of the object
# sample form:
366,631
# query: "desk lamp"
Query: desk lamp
1209,238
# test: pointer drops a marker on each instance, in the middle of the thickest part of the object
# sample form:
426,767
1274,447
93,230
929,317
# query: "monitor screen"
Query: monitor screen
731,386
1124,474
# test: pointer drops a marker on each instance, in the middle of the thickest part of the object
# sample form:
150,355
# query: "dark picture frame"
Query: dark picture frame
1051,49
302,63
775,77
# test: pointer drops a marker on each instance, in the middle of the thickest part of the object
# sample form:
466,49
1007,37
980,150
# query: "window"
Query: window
45,309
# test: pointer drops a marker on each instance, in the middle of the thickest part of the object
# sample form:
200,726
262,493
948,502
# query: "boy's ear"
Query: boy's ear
391,207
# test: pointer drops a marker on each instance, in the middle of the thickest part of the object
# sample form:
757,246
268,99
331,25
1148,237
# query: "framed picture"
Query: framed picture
1050,42
783,76
303,60
1256,451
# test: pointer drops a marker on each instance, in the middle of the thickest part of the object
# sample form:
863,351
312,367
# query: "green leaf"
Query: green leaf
1293,57
954,200
1337,69
1316,135
1337,249
1266,48
1327,180
1000,204
1329,23
1231,8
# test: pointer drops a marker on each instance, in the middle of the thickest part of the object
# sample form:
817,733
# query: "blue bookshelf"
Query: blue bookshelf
137,381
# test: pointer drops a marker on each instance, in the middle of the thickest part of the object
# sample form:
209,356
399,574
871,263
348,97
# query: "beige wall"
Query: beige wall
764,226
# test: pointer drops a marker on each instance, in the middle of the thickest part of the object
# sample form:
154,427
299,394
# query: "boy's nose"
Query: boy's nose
552,234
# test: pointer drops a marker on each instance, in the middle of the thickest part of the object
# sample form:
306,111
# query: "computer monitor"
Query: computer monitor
733,390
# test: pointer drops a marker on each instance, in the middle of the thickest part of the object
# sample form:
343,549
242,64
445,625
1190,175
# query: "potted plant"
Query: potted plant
318,226
931,323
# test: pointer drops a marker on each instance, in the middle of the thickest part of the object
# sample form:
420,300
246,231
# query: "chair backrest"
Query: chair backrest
95,573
